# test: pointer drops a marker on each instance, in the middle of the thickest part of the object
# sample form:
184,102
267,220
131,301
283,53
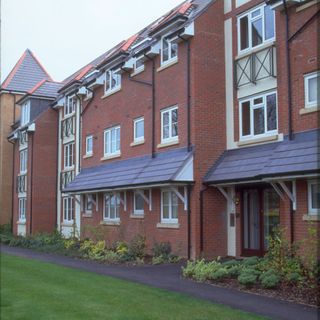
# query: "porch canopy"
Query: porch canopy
279,161
166,168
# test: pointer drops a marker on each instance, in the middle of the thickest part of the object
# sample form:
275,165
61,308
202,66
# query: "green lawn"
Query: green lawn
37,290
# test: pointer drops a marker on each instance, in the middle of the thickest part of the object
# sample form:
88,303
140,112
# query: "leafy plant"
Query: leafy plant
137,246
219,274
270,279
161,249
247,278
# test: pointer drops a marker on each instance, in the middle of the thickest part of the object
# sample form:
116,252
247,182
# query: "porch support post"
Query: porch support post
180,196
97,201
123,202
277,189
148,201
290,194
77,200
225,194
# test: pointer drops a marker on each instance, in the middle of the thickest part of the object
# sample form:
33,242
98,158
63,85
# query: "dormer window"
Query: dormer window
25,113
113,81
139,64
169,52
70,105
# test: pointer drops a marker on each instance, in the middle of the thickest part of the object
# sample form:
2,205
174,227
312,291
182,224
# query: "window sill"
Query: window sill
137,143
311,217
136,216
87,215
167,144
135,73
110,93
67,224
110,223
21,223
69,115
68,169
168,225
167,65
87,156
307,110
258,140
118,155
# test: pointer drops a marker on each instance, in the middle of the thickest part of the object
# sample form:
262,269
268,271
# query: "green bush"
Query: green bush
220,274
234,271
136,247
188,270
270,279
159,259
294,277
231,263
251,261
161,249
247,278
121,248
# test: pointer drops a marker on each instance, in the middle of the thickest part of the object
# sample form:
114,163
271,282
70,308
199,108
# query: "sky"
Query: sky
65,35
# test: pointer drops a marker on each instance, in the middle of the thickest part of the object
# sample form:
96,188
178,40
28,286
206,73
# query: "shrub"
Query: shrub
252,261
247,278
219,274
188,270
98,251
159,259
136,247
231,263
234,271
270,279
161,249
204,270
121,248
294,277
110,257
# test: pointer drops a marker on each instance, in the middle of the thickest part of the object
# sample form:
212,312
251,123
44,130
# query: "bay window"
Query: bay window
111,206
112,141
169,207
258,116
256,27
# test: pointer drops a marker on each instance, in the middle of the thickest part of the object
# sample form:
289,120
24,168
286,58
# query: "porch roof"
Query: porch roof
288,157
166,167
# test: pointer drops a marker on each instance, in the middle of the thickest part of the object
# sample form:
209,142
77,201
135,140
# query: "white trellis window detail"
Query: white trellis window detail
169,50
68,209
25,113
314,197
22,209
139,130
311,89
23,161
256,27
169,207
112,141
89,145
138,203
112,81
169,124
69,156
258,116
112,206
70,105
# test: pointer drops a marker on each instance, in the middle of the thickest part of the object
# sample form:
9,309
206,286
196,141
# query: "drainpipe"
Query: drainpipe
79,124
31,184
288,71
153,107
189,221
203,189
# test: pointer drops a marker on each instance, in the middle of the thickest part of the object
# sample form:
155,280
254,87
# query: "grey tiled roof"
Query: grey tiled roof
132,172
298,156
48,89
26,74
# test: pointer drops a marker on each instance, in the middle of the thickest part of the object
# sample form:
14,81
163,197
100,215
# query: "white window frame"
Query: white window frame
89,152
135,122
109,74
23,161
170,219
135,211
252,108
170,58
69,110
138,69
170,138
250,20
108,144
69,148
25,113
22,209
88,199
106,210
312,211
68,210
307,77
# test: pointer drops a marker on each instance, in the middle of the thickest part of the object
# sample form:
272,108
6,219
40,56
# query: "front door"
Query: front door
260,214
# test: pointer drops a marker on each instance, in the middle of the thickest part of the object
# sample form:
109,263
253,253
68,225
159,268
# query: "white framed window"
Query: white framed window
138,129
314,197
169,124
112,81
23,140
25,113
88,203
112,141
68,209
258,116
111,206
70,105
169,50
139,64
89,145
256,27
23,161
22,209
169,207
311,88
138,204
69,156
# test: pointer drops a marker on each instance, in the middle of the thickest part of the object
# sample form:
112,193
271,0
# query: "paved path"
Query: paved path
168,277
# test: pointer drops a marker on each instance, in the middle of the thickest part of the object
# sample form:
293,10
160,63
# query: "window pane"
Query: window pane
268,22
107,80
244,33
139,202
246,118
272,112
174,123
165,205
257,32
106,142
112,207
139,130
312,84
113,141
117,139
139,63
315,196
258,118
174,206
255,13
174,50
